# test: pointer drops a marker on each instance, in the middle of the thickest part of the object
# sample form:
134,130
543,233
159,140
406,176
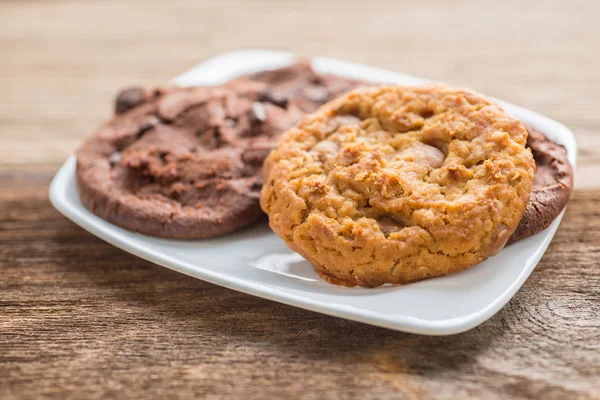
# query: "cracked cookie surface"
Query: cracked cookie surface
186,162
398,184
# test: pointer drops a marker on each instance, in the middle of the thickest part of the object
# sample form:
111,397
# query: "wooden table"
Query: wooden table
82,319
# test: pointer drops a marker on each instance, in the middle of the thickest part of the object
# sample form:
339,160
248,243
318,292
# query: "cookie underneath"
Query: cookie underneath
552,186
186,163
398,184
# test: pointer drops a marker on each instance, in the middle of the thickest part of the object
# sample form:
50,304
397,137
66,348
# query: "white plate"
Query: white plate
257,262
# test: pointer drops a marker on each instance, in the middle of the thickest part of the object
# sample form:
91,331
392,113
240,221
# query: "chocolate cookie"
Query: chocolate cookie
397,184
552,185
182,163
301,85
186,162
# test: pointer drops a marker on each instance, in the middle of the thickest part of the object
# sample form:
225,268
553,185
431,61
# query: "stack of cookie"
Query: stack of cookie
186,163
372,185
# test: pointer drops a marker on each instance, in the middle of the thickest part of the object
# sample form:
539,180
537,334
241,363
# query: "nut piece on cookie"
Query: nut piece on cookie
425,181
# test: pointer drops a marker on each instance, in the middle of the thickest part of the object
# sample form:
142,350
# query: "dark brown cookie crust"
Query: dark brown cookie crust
552,186
186,163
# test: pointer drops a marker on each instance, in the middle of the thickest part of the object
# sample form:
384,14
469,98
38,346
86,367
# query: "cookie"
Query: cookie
186,163
300,85
398,184
552,185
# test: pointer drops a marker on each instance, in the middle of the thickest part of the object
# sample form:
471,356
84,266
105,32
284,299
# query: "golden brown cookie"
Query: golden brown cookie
399,184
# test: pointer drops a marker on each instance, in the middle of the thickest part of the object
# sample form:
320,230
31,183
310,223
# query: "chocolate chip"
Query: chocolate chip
129,98
258,112
146,126
163,156
255,186
425,114
274,97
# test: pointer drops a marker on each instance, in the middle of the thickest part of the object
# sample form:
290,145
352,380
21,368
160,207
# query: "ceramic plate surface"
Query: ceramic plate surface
257,262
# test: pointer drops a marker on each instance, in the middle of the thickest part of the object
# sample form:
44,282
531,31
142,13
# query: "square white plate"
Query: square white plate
257,262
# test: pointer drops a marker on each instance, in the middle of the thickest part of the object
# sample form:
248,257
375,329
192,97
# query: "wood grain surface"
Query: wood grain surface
82,319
